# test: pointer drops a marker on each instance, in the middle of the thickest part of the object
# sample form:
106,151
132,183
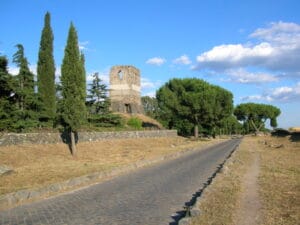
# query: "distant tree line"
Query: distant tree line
193,106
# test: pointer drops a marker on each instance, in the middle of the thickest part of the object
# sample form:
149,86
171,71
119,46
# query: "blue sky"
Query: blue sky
251,48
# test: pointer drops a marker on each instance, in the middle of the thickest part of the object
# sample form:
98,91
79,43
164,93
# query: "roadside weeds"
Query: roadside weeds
280,181
218,202
278,185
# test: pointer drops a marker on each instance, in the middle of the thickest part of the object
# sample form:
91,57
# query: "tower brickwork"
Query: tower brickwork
125,89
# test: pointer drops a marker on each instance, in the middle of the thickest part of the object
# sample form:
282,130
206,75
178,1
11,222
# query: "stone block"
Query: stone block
185,221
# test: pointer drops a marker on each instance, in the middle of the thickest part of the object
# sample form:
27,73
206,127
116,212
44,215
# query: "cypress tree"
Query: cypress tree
46,74
73,104
83,81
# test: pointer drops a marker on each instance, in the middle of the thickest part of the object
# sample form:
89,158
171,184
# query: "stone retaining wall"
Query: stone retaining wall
54,138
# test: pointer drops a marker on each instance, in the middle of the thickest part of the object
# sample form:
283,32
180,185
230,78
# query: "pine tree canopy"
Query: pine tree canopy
7,106
98,101
26,115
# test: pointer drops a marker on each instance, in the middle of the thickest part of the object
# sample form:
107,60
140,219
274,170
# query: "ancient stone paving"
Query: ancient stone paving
149,196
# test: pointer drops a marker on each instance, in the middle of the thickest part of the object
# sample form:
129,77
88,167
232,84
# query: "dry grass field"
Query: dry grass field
278,184
280,181
39,165
220,199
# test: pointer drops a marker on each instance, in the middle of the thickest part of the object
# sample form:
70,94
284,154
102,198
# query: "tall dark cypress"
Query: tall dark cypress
46,74
73,104
83,81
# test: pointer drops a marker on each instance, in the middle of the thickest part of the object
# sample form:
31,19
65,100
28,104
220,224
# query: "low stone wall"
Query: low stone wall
54,138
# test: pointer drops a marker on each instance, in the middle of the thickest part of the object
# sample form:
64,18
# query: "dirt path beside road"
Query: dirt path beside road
249,204
259,185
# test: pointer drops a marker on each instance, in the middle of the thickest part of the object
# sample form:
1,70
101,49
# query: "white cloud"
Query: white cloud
83,45
257,98
13,70
148,84
33,69
149,87
158,61
242,76
231,56
57,74
279,33
182,60
103,75
151,94
278,49
279,94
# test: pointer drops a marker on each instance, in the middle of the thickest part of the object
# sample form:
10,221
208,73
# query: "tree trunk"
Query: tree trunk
73,145
254,126
196,131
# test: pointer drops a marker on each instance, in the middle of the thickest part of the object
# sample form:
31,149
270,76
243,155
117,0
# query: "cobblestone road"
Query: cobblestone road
148,196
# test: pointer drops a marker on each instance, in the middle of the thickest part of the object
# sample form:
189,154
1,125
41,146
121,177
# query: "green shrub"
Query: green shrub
135,123
106,120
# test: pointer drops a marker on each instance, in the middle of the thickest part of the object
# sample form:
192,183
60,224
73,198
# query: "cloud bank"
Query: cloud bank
182,60
279,94
273,55
157,61
277,50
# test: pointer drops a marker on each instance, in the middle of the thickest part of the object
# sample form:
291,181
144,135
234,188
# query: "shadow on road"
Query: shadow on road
188,205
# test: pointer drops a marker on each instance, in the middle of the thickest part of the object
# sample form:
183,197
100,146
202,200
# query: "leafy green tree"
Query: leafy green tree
150,106
230,125
7,96
255,115
222,107
26,98
5,78
46,74
191,102
73,104
98,101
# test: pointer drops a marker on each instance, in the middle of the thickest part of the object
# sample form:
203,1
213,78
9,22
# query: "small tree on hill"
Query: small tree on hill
73,104
150,106
98,102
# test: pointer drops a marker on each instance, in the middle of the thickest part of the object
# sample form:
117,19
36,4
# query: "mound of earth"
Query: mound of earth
148,122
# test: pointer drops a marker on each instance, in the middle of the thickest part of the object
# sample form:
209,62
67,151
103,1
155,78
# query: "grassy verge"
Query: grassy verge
218,204
39,165
280,181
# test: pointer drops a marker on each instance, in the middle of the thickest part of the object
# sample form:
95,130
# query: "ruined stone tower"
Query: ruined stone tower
125,88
